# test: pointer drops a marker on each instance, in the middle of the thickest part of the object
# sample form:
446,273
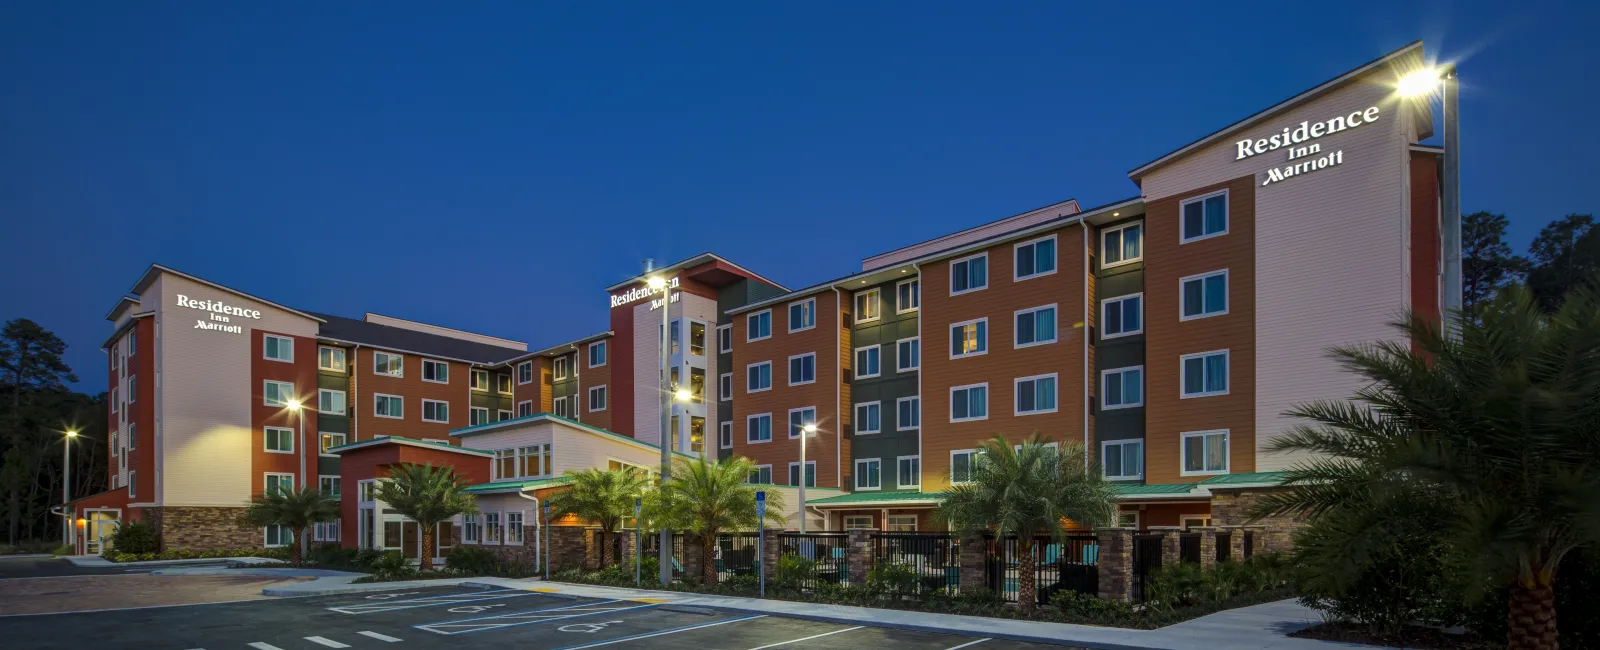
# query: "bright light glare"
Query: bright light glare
72,434
294,404
657,282
1419,83
809,428
682,395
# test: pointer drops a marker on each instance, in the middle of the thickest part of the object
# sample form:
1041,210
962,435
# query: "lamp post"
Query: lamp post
806,431
66,486
300,450
1423,84
658,283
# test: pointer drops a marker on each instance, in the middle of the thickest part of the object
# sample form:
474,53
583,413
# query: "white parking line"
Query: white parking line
969,643
814,636
675,630
431,601
264,646
481,623
326,641
380,637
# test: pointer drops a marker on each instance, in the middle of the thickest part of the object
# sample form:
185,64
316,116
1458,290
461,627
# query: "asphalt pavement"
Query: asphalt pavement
456,618
49,567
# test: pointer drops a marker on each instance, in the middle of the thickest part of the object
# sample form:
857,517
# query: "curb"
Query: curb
26,556
351,588
101,563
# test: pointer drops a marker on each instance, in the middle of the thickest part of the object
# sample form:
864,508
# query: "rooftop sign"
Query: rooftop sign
219,313
636,293
1305,155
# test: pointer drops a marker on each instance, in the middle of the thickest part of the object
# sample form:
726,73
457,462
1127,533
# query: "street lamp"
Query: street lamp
810,429
66,485
300,439
1421,85
658,283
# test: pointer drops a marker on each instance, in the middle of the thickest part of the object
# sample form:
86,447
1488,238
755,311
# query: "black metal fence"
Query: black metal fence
1072,564
1146,559
935,558
1224,543
806,560
737,554
652,548
1189,548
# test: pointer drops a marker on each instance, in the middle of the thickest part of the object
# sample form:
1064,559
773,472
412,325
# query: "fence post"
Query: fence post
1208,546
858,554
974,552
772,549
1171,554
1115,563
1235,542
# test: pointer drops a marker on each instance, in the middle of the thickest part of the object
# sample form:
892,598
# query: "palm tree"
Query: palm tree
1029,490
297,510
710,498
603,496
428,495
1500,419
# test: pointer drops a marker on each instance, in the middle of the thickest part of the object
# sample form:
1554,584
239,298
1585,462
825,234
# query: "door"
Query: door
97,531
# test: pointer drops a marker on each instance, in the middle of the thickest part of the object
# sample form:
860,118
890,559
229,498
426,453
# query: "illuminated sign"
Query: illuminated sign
1305,156
220,314
637,293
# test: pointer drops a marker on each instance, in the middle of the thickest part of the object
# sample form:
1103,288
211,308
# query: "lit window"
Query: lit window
330,401
330,359
758,428
597,354
802,369
758,377
799,418
758,326
697,338
869,362
1036,394
275,393
908,295
1122,245
278,440
514,527
969,403
390,365
803,315
1204,295
908,472
1122,458
969,274
1122,388
1036,326
1204,374
1036,258
869,417
435,371
435,411
970,338
1206,216
908,413
1205,452
908,354
869,306
869,474
331,440
1122,316
388,406
278,348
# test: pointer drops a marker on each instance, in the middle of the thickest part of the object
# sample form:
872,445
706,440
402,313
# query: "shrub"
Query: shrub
136,537
391,565
1173,586
794,571
893,579
332,554
473,560
64,549
1088,606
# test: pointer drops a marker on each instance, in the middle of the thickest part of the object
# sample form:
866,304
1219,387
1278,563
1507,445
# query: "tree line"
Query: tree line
37,408
1564,256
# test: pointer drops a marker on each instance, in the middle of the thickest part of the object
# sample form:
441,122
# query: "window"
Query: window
436,371
803,369
268,391
1191,521
725,435
391,365
133,343
908,354
330,401
330,359
278,483
330,440
869,362
478,380
725,338
869,305
273,393
525,462
279,440
524,408
811,473
277,536
799,418
969,403
758,377
388,406
758,428
558,406
471,530
1122,316
1204,295
491,527
514,527
869,417
503,382
505,464
1204,374
761,475
133,388
969,274
961,465
329,485
758,326
364,490
677,336
902,524
908,413
435,411
725,387
560,367
908,295
969,339
597,399
1036,326
479,415
869,474
133,435
325,531
1036,258
697,338
908,472
1122,458
857,522
1205,217
1036,394
1122,245
597,354
1205,452
278,348
1122,388
803,315
525,372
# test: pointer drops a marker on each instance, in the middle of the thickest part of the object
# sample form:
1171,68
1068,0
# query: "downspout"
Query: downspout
578,398
538,525
921,462
838,396
355,398
1087,378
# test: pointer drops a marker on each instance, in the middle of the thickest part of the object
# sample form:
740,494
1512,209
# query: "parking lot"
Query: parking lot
453,617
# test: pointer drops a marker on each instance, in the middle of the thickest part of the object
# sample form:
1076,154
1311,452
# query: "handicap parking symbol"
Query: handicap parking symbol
473,609
586,628
388,596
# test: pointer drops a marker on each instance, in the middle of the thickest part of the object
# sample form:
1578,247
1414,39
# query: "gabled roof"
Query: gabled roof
126,302
505,487
875,498
697,260
409,442
157,269
491,427
1414,48
350,330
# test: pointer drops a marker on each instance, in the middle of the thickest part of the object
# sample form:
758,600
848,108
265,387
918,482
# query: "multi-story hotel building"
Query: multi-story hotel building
1167,333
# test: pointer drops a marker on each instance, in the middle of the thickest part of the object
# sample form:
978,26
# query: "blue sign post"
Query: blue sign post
761,539
546,540
638,541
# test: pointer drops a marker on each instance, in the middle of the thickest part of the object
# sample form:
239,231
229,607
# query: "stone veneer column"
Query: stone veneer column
771,550
1170,551
858,554
1235,542
974,573
1115,563
568,547
1208,546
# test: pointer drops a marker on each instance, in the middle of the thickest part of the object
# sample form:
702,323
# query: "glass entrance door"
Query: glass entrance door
97,531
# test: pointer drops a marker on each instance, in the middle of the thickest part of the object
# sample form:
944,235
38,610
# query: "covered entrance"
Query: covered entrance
98,527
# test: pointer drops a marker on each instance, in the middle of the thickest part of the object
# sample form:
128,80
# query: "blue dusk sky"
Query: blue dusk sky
492,166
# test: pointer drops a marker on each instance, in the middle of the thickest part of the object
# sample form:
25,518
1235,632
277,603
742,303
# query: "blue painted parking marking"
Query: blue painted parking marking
673,630
431,601
530,617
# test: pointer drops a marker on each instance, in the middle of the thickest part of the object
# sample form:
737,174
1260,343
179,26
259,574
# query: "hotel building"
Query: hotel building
1168,333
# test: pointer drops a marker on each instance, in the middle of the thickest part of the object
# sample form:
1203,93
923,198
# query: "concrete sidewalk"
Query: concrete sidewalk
97,562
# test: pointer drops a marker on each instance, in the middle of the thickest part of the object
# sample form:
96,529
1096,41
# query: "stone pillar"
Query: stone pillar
1208,546
1235,542
1170,554
1115,563
772,549
858,555
974,573
568,547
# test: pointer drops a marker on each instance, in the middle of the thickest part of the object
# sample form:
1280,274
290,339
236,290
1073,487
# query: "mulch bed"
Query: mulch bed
1410,637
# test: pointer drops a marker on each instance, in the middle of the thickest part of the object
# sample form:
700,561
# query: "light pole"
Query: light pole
300,450
1419,85
658,283
66,487
806,431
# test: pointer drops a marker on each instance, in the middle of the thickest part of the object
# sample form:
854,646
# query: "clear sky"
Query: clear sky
491,166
